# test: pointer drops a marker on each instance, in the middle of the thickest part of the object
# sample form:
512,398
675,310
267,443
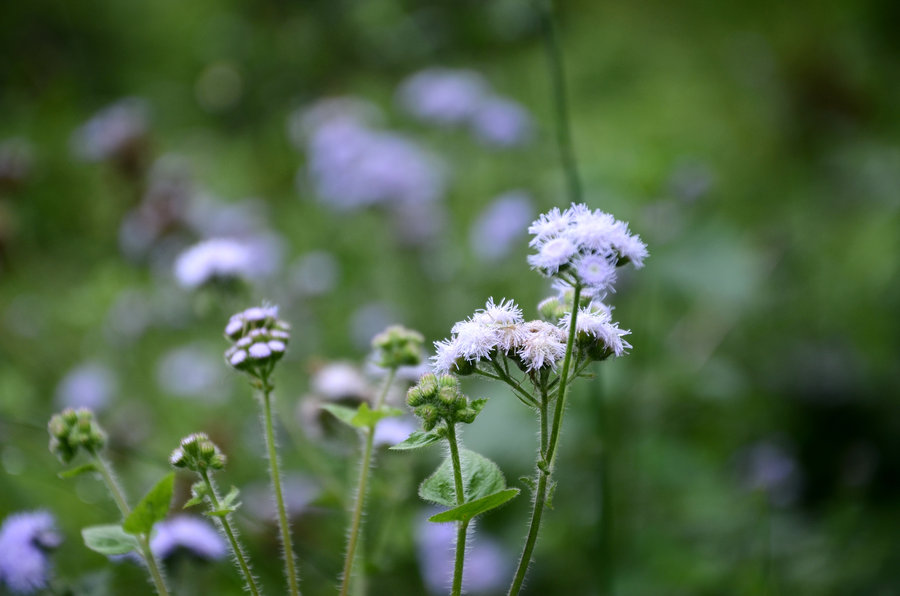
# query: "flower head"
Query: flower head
73,430
25,539
260,338
215,259
197,453
398,346
542,346
596,332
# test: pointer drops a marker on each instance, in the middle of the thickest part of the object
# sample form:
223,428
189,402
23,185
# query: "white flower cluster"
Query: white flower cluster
259,337
594,328
583,246
500,326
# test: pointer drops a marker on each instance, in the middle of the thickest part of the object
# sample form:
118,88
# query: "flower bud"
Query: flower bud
71,430
551,309
259,337
398,346
197,453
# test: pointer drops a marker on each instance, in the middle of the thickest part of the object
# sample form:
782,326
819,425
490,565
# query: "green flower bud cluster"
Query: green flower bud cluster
398,346
197,453
436,399
552,309
259,337
71,430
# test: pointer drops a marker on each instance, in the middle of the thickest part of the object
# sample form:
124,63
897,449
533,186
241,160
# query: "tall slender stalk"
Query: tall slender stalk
249,580
119,497
463,526
356,523
290,563
545,457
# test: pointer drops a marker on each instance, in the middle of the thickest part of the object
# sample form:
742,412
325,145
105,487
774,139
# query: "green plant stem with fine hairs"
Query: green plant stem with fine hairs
463,526
118,496
232,537
290,564
356,523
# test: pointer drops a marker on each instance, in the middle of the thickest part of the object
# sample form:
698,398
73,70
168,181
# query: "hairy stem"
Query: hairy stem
143,540
249,580
463,527
545,456
290,564
366,463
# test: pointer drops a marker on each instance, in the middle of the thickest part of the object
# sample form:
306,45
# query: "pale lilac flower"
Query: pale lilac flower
445,357
191,535
219,258
25,539
543,345
548,226
303,124
595,321
391,431
501,223
502,122
768,466
553,254
340,380
90,385
474,340
596,271
113,131
442,96
193,372
487,567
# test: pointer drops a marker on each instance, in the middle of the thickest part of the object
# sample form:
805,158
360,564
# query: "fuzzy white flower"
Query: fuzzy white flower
218,258
596,271
474,340
595,320
505,319
542,345
445,357
552,255
548,226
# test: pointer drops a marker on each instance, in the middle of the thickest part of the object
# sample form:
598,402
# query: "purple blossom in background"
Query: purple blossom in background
218,258
187,534
113,132
769,467
191,371
487,568
442,96
89,385
501,223
25,539
501,122
391,431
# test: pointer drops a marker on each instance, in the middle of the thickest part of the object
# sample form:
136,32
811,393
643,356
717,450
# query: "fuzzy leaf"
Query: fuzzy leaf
467,511
418,439
342,413
220,512
109,539
198,493
368,418
478,405
152,508
529,482
79,470
229,500
481,477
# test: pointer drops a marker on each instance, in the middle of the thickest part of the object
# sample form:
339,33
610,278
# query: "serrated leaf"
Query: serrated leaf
368,418
109,539
79,470
342,413
467,511
481,477
417,440
152,508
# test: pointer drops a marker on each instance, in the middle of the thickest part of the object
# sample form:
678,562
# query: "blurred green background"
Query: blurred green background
749,444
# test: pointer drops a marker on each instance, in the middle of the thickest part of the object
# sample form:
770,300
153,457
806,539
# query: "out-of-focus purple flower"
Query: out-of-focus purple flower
303,124
25,539
391,431
88,385
299,491
114,132
443,96
487,566
501,122
501,223
187,534
190,371
314,274
210,217
767,466
339,381
227,258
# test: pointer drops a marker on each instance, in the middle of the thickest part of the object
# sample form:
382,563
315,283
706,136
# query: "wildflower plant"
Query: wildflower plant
396,346
259,341
199,454
73,431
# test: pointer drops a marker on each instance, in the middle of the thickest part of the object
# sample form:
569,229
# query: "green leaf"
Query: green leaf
529,482
78,471
152,508
481,477
109,539
229,500
466,512
342,413
367,418
221,512
479,404
550,492
418,439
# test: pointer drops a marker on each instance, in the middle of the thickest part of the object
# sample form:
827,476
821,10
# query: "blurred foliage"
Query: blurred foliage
753,146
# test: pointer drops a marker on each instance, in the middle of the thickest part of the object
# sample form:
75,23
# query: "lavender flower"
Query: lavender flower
596,332
193,372
89,385
187,534
501,122
114,132
216,259
442,96
25,539
501,223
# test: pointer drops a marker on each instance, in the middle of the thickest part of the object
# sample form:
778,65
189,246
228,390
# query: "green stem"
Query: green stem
545,458
232,536
119,497
356,523
463,527
289,561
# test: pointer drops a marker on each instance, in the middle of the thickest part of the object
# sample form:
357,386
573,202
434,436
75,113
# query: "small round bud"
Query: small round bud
72,430
551,309
415,397
197,453
259,337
